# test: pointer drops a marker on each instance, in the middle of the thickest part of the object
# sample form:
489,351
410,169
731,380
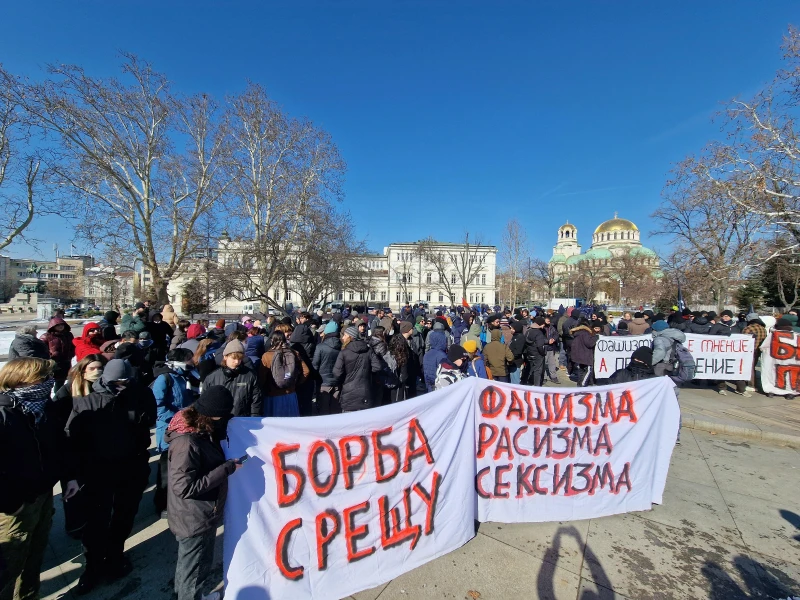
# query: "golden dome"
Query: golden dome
616,224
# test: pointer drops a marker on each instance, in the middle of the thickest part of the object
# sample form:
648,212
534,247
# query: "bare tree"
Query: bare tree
285,174
17,170
402,270
514,253
711,233
456,265
143,162
758,167
587,279
634,270
544,274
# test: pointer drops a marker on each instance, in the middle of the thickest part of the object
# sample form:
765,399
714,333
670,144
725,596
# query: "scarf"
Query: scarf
32,399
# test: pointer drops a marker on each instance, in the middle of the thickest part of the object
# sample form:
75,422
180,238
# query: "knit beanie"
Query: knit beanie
660,326
781,325
726,313
622,325
352,332
215,401
456,352
233,346
144,335
220,324
117,369
420,319
643,354
405,327
330,327
470,346
752,317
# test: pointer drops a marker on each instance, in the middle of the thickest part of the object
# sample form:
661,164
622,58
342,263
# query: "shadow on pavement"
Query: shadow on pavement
760,581
793,518
545,581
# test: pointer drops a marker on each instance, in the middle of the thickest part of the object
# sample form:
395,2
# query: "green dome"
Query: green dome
599,254
572,260
558,258
644,252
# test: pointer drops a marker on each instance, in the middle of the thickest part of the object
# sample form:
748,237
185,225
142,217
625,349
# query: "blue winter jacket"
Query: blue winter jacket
459,328
434,357
255,348
172,395
477,368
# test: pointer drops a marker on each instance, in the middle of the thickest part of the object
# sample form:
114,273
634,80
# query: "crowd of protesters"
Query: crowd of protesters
88,425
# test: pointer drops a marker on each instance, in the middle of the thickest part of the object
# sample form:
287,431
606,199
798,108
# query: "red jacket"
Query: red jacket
85,345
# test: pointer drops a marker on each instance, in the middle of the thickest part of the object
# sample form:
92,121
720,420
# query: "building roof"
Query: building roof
558,258
643,250
575,259
599,254
616,224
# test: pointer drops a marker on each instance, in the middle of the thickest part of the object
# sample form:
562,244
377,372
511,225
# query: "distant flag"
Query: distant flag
752,309
681,303
464,303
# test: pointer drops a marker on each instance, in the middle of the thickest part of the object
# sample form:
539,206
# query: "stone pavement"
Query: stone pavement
729,529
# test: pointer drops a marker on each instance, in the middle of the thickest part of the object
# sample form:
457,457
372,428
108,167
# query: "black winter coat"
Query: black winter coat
303,335
353,371
699,325
26,345
32,458
197,481
325,358
632,372
243,385
110,431
583,343
722,329
535,343
551,331
517,347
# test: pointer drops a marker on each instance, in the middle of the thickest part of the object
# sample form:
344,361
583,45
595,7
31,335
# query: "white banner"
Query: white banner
328,506
613,352
727,358
780,363
546,454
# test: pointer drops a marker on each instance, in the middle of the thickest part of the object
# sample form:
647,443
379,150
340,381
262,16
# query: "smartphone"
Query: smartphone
242,459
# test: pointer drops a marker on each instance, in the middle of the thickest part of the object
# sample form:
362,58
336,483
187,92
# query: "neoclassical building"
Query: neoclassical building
613,239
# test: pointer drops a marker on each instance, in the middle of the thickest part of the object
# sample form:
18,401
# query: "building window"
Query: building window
397,278
483,279
372,296
452,298
351,296
452,278
340,296
428,296
288,296
383,296
397,296
471,296
360,295
483,298
441,297
428,278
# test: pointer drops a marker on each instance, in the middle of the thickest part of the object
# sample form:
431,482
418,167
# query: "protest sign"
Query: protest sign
613,352
328,506
546,454
331,505
780,363
727,358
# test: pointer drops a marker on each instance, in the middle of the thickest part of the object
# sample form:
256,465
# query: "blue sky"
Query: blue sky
452,116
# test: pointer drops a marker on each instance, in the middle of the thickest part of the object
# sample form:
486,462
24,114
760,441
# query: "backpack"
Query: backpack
388,374
684,367
285,370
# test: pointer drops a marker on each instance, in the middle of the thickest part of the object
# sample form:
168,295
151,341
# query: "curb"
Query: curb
753,433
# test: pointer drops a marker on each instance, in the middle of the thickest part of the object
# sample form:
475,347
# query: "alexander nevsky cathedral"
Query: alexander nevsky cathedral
612,239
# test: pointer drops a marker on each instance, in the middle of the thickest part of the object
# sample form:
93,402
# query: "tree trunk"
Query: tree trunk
161,291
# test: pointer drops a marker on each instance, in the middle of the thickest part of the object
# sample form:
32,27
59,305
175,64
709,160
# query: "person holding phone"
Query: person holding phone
198,486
